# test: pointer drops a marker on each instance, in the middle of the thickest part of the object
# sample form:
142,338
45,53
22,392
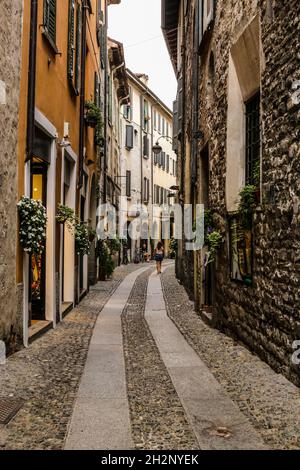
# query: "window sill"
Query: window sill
50,42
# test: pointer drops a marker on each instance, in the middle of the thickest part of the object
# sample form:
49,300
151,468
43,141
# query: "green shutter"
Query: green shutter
50,19
71,40
78,48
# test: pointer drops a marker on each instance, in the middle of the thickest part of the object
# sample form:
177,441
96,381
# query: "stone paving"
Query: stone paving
269,400
158,420
154,401
47,374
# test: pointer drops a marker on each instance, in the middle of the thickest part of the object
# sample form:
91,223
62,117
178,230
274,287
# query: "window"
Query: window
241,251
127,108
161,196
163,126
128,183
252,138
206,16
129,137
146,115
163,160
155,119
168,164
97,90
146,146
74,46
50,20
146,190
167,130
159,123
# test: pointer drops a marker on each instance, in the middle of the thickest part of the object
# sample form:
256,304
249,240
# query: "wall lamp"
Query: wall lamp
156,149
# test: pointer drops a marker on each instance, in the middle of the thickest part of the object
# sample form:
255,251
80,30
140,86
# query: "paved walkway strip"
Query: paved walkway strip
217,422
100,419
158,420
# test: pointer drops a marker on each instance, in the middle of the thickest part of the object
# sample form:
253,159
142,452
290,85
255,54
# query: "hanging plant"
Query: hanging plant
247,204
33,222
213,237
114,245
105,259
82,239
92,114
213,240
65,215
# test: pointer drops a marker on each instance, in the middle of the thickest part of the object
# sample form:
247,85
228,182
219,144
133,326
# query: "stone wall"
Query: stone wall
266,315
10,55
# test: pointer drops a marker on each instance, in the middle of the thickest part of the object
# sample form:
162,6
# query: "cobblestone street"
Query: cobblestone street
156,385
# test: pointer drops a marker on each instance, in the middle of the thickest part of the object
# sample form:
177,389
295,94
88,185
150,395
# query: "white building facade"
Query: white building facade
146,177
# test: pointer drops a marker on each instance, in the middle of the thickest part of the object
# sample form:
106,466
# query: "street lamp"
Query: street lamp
156,149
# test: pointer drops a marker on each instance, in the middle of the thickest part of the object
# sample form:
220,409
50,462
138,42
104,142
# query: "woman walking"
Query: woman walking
159,256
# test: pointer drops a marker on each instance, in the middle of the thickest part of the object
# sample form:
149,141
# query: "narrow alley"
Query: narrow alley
134,367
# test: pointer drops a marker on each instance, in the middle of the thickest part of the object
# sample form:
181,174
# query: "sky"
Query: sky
136,23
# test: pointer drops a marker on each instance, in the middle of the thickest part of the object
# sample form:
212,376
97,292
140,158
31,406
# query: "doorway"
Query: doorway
37,265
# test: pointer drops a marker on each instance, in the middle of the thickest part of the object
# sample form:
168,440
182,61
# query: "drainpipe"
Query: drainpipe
31,78
82,92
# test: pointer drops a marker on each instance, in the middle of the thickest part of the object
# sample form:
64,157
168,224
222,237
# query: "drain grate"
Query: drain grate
9,407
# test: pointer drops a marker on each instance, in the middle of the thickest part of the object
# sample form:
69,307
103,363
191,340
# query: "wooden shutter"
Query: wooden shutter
71,40
175,125
128,183
168,163
180,106
50,19
129,137
78,49
148,190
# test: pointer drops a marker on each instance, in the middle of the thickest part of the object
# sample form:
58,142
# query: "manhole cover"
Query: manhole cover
9,407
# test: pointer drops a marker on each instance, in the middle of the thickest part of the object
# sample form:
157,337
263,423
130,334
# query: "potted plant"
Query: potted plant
65,214
106,264
82,239
33,222
92,114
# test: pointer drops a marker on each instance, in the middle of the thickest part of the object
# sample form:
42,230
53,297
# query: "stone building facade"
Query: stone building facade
237,64
10,59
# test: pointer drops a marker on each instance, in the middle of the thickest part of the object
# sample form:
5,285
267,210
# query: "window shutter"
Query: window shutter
96,90
71,40
146,146
129,137
50,19
175,125
128,183
168,163
78,48
180,106
148,190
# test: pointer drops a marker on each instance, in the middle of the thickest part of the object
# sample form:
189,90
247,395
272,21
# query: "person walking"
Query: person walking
159,256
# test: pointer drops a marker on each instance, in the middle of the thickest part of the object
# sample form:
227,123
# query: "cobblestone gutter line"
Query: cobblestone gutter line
46,375
158,419
269,400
